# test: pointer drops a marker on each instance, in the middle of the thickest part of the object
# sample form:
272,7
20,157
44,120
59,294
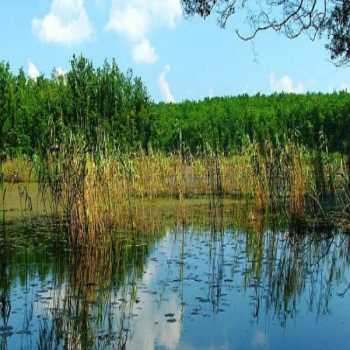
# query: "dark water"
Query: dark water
202,283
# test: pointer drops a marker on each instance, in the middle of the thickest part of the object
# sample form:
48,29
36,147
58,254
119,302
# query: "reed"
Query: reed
100,191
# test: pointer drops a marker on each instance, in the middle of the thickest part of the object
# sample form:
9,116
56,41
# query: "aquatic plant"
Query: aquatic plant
98,190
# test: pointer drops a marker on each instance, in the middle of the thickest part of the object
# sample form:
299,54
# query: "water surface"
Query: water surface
207,279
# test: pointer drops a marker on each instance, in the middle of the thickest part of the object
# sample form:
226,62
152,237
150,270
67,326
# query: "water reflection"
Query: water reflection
206,275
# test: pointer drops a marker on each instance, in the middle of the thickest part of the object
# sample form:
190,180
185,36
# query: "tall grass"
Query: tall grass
97,191
280,176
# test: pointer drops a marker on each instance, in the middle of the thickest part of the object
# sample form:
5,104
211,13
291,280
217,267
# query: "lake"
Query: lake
215,276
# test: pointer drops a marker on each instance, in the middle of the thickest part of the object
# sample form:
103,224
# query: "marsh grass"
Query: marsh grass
98,191
280,177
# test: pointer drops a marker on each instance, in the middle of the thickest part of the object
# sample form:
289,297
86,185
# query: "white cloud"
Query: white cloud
285,84
58,72
129,21
33,71
67,23
135,19
143,52
164,85
163,333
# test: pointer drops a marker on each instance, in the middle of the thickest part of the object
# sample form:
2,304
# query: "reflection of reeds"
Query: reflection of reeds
99,294
95,287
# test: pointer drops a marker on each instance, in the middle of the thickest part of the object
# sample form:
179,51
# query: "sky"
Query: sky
178,58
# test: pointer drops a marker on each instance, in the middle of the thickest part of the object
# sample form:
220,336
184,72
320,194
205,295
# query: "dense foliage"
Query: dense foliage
224,123
99,102
93,102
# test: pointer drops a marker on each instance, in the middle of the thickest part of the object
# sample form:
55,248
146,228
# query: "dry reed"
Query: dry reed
96,193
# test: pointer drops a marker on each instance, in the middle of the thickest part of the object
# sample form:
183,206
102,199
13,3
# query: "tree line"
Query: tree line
225,123
107,103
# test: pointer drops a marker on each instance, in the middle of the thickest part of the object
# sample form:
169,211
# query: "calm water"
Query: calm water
212,281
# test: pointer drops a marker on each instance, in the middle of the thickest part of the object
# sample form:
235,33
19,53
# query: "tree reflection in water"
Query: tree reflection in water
51,297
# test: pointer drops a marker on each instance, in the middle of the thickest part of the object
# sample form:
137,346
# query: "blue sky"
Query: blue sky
177,58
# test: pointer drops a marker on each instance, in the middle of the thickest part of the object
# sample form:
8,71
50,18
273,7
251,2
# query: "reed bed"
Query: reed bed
98,192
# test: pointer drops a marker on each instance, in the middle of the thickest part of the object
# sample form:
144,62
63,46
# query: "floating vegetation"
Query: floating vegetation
216,265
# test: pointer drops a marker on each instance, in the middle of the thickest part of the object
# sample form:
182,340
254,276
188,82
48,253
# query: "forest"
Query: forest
100,102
